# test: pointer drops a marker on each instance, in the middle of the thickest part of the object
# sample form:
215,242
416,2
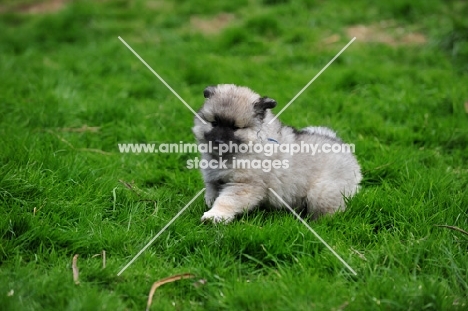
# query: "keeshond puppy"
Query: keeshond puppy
244,155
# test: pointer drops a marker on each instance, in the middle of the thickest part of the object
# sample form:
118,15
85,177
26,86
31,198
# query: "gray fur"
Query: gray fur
320,181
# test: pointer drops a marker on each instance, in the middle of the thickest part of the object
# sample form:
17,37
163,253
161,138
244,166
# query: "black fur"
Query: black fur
265,103
225,122
261,105
209,90
222,131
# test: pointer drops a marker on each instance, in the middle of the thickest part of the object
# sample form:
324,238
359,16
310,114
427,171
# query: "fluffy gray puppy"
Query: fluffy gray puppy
237,179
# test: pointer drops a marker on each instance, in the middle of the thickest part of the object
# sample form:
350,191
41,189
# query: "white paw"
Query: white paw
217,217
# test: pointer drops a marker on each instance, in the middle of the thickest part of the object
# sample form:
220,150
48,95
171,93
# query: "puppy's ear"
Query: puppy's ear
264,103
209,90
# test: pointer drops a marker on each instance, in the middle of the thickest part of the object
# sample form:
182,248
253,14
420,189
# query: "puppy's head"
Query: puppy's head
234,114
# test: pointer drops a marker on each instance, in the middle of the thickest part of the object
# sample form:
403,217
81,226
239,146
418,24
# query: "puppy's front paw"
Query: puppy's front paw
217,217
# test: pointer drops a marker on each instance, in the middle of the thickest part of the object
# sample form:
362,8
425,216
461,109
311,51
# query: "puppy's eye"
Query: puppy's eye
214,124
235,128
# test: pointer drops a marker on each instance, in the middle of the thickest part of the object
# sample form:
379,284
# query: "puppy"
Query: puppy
238,179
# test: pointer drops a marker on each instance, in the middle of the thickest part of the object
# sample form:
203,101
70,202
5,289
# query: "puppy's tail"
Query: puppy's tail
320,130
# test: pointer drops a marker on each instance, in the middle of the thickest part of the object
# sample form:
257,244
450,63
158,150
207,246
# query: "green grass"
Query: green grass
62,190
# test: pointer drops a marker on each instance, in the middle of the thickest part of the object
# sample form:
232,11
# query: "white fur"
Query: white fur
320,130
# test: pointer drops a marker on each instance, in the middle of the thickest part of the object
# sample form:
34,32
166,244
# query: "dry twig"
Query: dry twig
129,186
103,255
164,281
359,254
84,128
76,273
453,228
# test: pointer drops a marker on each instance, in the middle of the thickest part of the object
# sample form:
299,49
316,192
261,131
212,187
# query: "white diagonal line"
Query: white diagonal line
310,82
160,232
315,233
162,80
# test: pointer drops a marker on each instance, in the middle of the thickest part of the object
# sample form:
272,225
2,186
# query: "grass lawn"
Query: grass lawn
70,92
